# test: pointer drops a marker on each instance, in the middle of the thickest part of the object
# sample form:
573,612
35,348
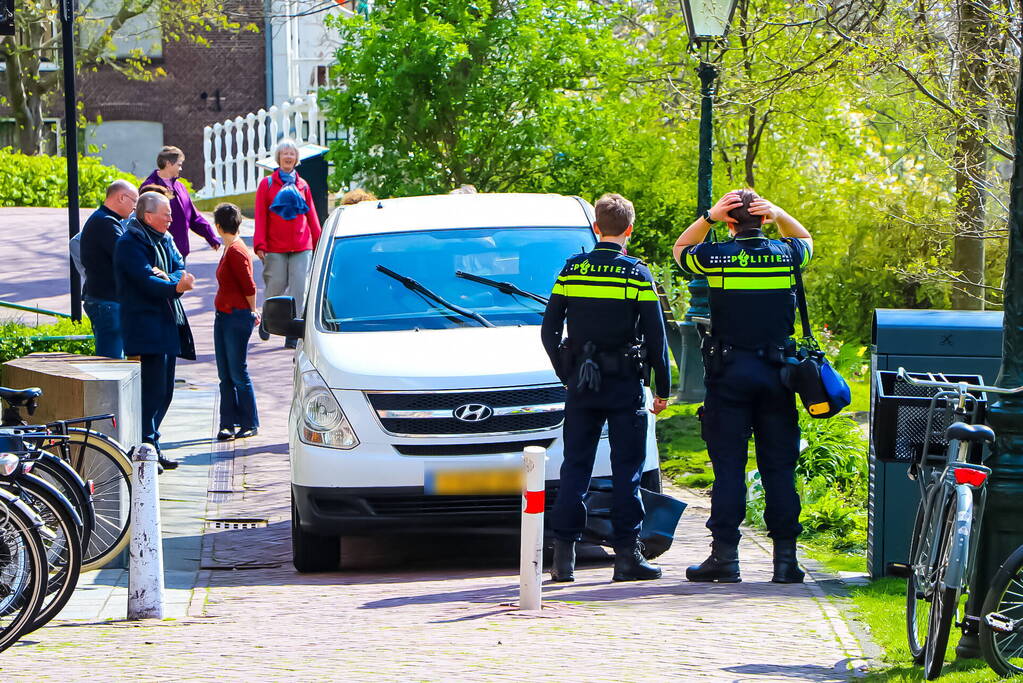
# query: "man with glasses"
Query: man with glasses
97,254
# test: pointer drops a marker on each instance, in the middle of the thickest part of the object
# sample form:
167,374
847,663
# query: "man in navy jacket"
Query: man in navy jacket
99,235
151,278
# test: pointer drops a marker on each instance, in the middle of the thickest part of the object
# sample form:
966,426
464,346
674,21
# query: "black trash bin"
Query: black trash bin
950,342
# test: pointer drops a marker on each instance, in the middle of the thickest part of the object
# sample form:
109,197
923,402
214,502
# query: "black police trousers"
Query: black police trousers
619,403
746,396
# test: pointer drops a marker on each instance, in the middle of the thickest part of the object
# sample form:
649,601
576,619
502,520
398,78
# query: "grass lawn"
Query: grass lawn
879,604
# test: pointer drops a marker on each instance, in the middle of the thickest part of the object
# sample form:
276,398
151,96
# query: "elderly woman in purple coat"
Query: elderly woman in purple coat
185,216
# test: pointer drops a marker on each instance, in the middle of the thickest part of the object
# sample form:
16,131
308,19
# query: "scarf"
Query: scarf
289,202
163,262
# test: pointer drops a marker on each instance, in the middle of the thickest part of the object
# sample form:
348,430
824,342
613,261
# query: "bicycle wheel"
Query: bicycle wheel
60,541
97,457
919,586
63,477
945,602
1001,638
22,568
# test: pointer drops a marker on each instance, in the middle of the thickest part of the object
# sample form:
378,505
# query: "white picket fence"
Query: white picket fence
232,148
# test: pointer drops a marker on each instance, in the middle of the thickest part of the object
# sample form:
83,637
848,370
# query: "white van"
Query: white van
417,385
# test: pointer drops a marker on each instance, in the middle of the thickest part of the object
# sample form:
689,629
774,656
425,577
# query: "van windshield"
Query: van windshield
359,298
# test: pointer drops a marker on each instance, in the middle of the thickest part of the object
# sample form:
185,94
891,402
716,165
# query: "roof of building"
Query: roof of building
435,212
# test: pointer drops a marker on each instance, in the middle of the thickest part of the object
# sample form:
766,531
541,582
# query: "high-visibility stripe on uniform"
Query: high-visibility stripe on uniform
750,283
598,292
693,264
598,280
756,270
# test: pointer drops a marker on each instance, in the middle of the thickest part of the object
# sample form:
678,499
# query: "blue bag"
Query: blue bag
822,390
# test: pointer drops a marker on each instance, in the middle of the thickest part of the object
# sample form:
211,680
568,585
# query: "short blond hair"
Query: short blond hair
355,196
614,214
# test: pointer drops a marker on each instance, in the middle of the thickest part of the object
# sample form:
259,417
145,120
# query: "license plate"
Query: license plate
474,482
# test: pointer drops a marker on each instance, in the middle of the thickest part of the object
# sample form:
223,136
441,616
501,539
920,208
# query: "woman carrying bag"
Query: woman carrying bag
287,230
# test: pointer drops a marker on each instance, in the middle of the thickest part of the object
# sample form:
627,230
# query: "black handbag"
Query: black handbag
661,516
823,392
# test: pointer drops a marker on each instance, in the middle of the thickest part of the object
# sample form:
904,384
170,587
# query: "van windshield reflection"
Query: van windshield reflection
360,298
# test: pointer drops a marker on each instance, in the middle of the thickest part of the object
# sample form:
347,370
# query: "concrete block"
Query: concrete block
76,386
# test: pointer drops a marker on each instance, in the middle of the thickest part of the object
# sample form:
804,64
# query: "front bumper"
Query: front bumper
329,511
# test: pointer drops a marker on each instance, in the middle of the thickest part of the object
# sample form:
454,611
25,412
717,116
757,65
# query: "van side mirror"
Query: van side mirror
280,317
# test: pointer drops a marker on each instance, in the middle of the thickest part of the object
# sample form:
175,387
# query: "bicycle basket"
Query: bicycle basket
899,415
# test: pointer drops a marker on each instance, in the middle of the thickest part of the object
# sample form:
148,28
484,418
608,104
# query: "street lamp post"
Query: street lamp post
707,21
1002,529
67,24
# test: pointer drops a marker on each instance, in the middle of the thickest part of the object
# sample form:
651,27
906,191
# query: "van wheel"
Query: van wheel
312,553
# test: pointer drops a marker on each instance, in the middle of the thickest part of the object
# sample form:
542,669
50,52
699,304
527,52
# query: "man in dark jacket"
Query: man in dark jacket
99,236
609,303
151,278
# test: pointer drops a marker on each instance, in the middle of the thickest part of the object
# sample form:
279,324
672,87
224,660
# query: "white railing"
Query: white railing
232,148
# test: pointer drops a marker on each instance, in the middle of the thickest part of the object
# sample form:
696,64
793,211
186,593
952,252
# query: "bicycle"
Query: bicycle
946,531
96,458
61,532
22,568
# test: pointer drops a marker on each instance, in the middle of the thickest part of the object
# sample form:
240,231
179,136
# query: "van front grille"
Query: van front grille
470,448
508,411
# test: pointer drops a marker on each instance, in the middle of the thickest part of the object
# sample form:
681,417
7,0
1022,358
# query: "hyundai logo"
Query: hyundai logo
473,412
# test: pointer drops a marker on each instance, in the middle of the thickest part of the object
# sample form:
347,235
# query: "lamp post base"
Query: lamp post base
691,388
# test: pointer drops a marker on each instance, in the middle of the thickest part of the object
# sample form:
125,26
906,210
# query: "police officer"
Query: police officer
610,305
752,310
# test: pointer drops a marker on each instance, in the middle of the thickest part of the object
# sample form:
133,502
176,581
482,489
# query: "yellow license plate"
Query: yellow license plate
474,482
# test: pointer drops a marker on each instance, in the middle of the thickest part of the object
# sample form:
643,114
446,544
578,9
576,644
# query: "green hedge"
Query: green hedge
16,340
41,180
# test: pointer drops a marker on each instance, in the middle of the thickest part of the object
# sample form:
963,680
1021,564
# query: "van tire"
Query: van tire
310,552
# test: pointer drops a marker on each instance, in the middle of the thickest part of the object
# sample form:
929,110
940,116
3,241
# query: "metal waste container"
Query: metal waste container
954,342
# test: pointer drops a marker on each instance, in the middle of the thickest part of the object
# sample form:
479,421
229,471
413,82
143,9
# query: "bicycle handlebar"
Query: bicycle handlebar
959,386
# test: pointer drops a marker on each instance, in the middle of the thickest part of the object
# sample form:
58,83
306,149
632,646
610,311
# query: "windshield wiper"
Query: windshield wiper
415,286
506,287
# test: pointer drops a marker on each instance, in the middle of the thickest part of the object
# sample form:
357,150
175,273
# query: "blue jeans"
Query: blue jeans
105,317
231,332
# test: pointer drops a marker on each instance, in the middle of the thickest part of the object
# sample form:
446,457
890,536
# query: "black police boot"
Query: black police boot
722,566
786,566
630,565
563,564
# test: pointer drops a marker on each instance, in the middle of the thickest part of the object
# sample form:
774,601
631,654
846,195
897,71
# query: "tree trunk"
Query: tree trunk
970,160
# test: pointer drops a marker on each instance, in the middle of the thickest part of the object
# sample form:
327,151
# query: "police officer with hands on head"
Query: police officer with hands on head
615,335
752,313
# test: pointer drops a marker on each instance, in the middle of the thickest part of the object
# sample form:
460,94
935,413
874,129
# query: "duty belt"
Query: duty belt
717,353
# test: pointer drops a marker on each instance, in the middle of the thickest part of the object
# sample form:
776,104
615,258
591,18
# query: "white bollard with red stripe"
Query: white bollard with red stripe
534,459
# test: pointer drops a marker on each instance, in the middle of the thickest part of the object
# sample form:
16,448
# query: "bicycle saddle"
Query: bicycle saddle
964,432
20,397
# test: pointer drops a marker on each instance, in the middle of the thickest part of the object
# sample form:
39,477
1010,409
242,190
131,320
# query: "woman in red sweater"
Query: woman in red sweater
287,230
235,317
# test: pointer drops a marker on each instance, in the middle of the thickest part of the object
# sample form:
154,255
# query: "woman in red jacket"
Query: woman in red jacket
236,315
287,230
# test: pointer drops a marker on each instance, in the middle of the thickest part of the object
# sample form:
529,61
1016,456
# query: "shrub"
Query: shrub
17,340
835,452
41,180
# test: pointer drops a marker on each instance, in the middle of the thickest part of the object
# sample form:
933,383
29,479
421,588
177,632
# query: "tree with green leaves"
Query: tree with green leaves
494,93
101,27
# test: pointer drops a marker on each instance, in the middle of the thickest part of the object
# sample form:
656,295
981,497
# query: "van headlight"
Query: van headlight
323,423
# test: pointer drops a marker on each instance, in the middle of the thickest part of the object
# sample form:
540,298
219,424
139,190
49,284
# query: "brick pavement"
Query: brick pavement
427,609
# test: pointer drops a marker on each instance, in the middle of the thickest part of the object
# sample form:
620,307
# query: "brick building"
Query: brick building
202,85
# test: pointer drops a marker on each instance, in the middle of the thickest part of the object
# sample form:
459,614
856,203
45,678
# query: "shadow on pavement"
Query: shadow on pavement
795,672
